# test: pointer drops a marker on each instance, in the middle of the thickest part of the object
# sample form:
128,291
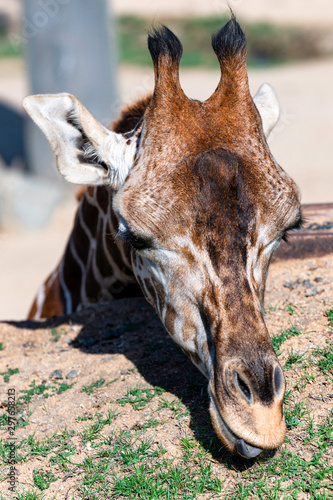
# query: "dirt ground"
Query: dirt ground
125,344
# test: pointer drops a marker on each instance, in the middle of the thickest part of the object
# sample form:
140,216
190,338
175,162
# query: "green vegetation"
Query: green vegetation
95,385
46,390
325,361
9,373
267,43
139,397
278,340
43,479
329,314
294,358
114,452
55,334
291,310
129,464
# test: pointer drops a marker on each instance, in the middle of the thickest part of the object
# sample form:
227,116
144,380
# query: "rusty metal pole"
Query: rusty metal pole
70,47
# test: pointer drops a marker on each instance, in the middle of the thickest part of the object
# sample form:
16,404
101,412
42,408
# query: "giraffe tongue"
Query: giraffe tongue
246,450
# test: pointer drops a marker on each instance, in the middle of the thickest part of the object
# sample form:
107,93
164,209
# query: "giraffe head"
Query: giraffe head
203,204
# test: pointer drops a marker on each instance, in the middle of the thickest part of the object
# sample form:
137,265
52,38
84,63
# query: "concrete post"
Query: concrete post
69,48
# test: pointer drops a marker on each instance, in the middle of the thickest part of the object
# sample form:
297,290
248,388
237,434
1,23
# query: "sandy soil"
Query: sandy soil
125,344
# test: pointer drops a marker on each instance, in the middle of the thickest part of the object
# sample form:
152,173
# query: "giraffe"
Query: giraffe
199,205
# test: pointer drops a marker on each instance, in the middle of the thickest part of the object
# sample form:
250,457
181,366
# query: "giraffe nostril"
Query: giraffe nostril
243,388
278,380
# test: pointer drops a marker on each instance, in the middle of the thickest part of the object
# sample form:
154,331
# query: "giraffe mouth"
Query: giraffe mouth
242,448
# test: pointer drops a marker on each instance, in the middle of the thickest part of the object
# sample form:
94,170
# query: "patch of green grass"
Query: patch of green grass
290,477
1,346
294,358
150,423
307,378
5,451
89,389
3,420
294,414
93,431
325,362
139,396
55,335
271,309
278,340
127,464
43,479
9,373
63,387
329,314
29,495
188,446
20,421
175,406
36,390
84,419
45,390
291,310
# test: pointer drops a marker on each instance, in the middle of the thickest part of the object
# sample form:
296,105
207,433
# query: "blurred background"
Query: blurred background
96,49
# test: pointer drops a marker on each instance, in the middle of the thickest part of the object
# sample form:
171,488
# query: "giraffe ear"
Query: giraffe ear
86,152
268,106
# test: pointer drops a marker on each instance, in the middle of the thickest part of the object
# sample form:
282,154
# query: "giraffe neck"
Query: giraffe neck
95,266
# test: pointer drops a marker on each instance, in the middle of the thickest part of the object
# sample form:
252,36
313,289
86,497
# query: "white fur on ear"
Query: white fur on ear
86,152
268,106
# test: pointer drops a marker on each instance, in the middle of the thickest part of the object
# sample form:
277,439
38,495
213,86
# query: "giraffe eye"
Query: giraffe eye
136,242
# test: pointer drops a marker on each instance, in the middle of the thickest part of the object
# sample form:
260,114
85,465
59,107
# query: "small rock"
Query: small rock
71,374
318,279
307,284
291,284
312,292
57,374
28,344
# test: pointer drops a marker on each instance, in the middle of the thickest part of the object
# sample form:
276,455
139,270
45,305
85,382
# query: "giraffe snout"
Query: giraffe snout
246,405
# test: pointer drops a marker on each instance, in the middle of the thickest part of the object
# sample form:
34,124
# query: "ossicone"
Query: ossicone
163,42
229,43
166,52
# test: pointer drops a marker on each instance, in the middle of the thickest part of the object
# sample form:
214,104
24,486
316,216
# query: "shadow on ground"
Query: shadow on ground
132,328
